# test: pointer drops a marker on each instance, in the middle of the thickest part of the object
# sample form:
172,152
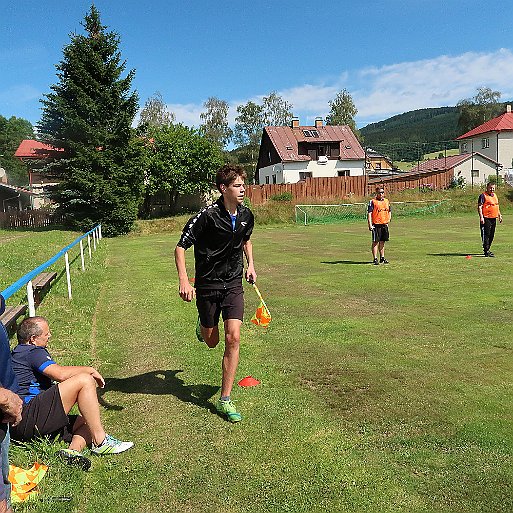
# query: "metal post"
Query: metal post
68,277
94,239
89,246
100,231
82,255
30,299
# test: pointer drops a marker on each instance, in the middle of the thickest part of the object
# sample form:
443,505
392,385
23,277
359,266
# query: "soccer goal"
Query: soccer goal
344,212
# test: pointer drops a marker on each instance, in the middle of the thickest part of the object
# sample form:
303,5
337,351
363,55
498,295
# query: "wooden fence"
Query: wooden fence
315,189
435,180
28,219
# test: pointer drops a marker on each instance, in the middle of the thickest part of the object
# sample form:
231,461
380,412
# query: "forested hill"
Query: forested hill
423,125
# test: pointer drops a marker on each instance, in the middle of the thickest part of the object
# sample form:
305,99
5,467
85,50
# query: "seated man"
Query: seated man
46,406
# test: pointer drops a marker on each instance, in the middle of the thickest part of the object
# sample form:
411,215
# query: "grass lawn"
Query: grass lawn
382,388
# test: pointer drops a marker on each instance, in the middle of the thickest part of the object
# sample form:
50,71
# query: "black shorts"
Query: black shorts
380,233
210,304
44,415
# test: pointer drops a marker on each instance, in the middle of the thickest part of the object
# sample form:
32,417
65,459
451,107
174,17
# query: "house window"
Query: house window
322,150
464,147
307,133
269,155
266,179
312,154
377,165
303,175
475,173
274,178
314,133
485,142
335,151
345,172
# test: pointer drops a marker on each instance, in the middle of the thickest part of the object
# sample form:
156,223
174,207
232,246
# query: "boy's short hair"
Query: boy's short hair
379,187
228,173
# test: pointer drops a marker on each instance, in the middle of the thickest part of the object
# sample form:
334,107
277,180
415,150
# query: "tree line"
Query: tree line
109,170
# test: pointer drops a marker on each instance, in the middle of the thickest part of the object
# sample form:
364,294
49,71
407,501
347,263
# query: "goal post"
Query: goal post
345,212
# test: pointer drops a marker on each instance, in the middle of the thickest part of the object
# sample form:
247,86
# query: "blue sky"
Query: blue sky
391,55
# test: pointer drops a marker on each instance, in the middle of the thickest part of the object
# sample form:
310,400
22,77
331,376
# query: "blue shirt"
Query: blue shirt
29,362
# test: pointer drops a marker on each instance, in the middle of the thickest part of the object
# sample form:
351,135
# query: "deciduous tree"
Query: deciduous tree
155,113
343,111
89,114
277,111
181,161
12,132
477,110
215,122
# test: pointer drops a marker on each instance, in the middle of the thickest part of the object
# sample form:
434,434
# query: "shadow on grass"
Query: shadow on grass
456,254
348,262
160,382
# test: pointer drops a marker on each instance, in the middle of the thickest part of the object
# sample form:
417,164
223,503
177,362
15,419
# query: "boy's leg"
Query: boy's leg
231,355
382,249
210,336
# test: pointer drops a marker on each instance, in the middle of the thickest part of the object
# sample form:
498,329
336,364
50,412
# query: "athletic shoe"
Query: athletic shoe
227,408
199,336
76,458
490,254
383,260
375,261
111,445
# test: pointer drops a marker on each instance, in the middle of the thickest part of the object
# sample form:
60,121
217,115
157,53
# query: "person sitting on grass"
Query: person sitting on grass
46,405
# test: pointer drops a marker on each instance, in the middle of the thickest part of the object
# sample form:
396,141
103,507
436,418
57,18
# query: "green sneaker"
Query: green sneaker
227,408
198,331
75,458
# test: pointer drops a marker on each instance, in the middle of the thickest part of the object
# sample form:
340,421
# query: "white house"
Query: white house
289,154
493,139
475,168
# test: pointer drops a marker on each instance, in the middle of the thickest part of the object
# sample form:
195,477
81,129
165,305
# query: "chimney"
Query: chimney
318,122
508,108
295,122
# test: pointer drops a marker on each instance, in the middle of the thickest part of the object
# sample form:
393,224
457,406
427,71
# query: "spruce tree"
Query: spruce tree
89,114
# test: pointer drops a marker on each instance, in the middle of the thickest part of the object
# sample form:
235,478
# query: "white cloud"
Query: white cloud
186,113
384,91
397,88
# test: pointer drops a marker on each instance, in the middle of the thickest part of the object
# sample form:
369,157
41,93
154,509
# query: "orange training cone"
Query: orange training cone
249,381
468,257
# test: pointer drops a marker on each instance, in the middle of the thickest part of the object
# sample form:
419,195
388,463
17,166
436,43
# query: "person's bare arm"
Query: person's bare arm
251,275
185,289
62,372
10,407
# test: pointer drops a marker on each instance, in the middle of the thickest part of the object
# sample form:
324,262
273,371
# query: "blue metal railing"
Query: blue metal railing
18,284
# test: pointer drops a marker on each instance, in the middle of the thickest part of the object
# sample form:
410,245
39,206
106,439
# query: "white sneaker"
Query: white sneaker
111,445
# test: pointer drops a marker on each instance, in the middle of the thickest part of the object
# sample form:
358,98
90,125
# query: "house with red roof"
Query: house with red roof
292,153
493,139
474,167
33,153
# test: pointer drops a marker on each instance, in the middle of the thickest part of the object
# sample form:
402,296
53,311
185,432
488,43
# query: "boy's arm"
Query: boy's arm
251,275
185,289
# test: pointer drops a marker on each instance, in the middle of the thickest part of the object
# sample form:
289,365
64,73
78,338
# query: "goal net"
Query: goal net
344,212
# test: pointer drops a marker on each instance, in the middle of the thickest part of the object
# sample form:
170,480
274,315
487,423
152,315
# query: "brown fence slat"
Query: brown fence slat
339,187
28,219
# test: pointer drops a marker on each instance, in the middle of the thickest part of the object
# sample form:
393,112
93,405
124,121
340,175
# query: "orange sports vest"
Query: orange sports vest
381,211
490,206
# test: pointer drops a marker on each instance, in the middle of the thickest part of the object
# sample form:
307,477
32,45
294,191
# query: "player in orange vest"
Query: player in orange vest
489,212
378,217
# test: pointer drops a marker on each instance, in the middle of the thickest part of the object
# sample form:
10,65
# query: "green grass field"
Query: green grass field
383,389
